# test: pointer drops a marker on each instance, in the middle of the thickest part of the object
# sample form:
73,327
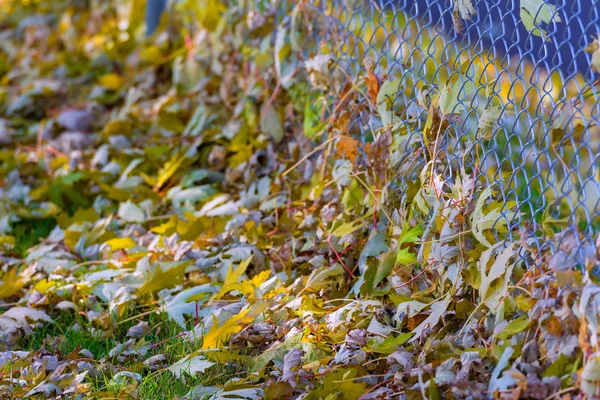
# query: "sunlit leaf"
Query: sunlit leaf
219,333
164,275
191,365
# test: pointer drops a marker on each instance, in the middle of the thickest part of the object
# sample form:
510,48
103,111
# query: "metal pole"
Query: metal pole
154,9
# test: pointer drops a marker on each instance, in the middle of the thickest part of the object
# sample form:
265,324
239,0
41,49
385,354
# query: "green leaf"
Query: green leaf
481,221
559,367
278,390
387,102
437,310
131,212
339,383
448,97
487,121
405,257
312,124
449,102
385,267
391,343
353,194
515,326
322,277
346,228
312,352
376,245
434,392
408,235
270,123
535,12
412,235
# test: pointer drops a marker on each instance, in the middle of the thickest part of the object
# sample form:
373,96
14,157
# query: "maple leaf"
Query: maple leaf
218,335
10,284
164,275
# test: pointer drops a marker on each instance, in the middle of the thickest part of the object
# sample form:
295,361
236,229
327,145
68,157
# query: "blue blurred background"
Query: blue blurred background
497,26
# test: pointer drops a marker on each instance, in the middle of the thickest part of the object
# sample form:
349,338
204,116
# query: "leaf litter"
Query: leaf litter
210,183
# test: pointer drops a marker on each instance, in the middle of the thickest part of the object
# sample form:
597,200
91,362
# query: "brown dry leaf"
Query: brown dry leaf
584,336
373,85
347,147
554,326
415,321
434,127
378,154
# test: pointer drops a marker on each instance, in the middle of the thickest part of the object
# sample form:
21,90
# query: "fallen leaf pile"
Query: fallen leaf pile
226,187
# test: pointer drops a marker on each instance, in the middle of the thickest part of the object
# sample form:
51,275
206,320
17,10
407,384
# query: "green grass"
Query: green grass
164,385
163,338
72,331
28,233
62,337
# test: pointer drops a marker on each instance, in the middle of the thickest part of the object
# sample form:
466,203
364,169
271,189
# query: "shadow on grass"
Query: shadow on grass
28,233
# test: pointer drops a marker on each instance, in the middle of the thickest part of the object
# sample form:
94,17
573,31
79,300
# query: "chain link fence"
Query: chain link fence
525,109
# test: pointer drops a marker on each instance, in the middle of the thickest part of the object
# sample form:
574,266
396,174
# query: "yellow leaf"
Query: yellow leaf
112,81
166,172
44,285
151,55
121,243
261,278
218,335
118,127
233,276
167,228
209,13
166,275
11,284
245,288
7,241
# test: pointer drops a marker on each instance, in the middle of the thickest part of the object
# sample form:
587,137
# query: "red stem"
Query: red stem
338,257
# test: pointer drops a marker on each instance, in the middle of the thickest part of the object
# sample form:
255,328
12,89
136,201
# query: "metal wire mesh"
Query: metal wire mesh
546,172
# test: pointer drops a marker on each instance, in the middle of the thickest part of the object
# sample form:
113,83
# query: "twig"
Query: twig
93,262
307,156
563,391
39,139
374,197
136,317
415,277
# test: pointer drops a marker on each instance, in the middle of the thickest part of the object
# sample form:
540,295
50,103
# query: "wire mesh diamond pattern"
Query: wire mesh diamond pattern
531,73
